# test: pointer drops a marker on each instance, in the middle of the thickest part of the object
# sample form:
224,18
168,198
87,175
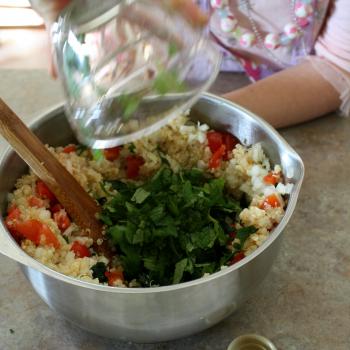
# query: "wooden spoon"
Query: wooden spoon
78,204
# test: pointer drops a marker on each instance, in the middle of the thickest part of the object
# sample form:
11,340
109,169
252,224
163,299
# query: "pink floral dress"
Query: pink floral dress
261,37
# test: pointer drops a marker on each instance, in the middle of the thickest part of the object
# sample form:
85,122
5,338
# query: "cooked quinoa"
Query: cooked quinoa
182,144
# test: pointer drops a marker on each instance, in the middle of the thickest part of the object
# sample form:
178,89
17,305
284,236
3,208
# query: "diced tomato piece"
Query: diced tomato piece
44,192
218,138
216,158
230,142
34,201
238,257
271,201
69,149
80,250
133,165
215,140
232,234
62,219
13,215
49,236
29,229
112,154
55,208
114,276
271,178
37,232
13,212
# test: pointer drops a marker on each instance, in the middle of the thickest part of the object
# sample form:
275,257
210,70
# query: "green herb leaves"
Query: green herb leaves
97,154
165,81
171,229
168,81
244,233
98,271
140,195
129,103
179,270
173,49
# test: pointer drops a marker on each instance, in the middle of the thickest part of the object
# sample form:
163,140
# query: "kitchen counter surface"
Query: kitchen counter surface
303,304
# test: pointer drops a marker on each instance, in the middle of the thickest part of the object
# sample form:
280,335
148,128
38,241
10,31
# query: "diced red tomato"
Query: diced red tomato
271,178
218,138
29,229
69,149
62,219
215,160
80,250
271,201
49,236
34,201
13,215
37,232
232,234
238,257
133,165
114,276
44,192
230,142
214,140
112,154
55,208
13,212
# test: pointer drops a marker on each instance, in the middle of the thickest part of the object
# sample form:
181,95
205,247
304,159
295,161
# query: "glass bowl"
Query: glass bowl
129,67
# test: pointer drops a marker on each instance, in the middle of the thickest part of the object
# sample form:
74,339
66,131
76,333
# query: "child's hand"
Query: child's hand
190,11
49,9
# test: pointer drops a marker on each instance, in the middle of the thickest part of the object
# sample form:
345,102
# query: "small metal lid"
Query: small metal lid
251,342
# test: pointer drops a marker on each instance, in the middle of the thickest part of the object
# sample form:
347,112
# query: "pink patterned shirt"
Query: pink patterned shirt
324,37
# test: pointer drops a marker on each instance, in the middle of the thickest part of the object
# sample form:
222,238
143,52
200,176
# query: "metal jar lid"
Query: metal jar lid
251,342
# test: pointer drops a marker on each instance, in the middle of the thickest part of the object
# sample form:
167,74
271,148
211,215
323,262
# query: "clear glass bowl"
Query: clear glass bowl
129,67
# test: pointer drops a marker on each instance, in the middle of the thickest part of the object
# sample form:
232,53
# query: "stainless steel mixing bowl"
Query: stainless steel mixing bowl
161,313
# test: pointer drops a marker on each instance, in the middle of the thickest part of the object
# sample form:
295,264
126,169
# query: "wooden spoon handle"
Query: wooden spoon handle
79,205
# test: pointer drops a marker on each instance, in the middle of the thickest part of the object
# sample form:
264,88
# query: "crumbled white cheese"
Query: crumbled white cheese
284,189
268,190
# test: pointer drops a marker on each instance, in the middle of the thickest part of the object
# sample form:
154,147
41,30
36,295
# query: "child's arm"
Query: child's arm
316,87
292,96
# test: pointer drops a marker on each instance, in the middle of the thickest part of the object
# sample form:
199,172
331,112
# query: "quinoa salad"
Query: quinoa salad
178,205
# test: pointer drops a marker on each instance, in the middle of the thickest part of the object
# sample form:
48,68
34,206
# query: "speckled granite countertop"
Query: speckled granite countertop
304,303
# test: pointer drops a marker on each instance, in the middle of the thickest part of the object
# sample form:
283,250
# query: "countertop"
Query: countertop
303,304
